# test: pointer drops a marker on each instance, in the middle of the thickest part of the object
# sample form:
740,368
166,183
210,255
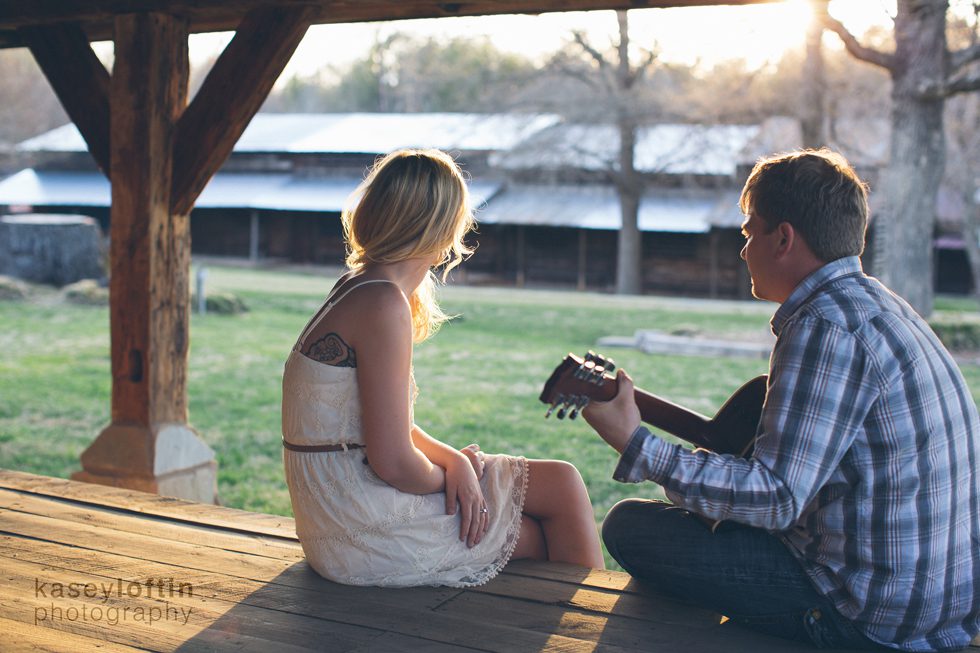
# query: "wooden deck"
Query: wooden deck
87,567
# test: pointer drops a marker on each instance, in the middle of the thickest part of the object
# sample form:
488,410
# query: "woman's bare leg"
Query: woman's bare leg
562,516
530,541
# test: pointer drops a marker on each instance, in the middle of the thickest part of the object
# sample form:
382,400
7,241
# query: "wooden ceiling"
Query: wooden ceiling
96,16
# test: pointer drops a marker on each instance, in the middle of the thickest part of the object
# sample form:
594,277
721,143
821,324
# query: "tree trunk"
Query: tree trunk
903,225
971,240
813,114
629,258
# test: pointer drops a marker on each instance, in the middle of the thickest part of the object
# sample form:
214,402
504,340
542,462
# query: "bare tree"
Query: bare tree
924,72
619,80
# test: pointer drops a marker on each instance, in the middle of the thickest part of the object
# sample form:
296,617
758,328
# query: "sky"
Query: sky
757,34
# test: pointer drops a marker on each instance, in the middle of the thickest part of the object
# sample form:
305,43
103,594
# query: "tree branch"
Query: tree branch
592,52
961,58
963,84
858,51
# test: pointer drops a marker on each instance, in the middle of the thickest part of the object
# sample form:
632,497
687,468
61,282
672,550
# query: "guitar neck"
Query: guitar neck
677,420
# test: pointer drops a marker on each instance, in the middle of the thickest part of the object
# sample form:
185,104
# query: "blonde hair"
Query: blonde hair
414,203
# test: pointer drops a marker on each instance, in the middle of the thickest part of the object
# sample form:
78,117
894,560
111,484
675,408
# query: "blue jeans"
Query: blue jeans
744,573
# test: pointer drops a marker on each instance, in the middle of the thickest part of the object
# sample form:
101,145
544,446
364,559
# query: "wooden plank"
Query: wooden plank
240,521
148,503
19,637
162,624
150,247
610,629
636,606
231,94
79,80
387,609
160,529
298,589
543,606
554,578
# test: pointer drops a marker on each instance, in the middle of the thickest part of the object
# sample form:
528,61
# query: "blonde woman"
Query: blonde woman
377,500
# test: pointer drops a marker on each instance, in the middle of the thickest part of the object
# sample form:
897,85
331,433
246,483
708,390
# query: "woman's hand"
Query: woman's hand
463,488
476,458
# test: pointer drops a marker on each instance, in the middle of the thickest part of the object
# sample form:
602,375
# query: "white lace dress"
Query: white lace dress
357,529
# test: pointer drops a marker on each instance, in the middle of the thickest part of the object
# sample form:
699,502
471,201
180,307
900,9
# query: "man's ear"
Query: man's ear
788,239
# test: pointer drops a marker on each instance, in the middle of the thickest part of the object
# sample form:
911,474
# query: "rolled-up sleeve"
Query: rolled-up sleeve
810,418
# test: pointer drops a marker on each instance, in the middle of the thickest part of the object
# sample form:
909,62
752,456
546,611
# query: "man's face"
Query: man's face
758,254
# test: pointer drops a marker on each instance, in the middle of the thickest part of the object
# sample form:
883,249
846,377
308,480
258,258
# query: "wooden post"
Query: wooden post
149,445
583,258
520,256
713,263
253,236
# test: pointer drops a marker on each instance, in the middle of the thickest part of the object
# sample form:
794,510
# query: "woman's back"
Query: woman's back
354,527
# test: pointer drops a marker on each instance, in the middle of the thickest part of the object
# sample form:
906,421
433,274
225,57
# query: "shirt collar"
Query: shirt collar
841,267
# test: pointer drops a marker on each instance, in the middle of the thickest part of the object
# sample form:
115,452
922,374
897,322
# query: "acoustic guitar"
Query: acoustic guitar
576,381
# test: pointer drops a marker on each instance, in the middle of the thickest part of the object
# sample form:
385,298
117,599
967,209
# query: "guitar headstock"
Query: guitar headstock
576,381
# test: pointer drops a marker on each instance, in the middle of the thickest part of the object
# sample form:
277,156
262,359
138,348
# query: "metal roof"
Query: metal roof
276,192
336,133
666,148
597,207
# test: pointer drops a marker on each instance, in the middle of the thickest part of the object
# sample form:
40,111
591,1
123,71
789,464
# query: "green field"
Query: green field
479,378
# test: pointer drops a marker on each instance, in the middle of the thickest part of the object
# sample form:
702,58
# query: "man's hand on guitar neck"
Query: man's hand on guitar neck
617,419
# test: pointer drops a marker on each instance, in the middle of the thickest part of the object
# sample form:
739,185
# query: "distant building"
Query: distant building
547,210
281,191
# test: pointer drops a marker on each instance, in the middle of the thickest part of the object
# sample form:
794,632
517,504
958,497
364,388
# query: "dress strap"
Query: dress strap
330,303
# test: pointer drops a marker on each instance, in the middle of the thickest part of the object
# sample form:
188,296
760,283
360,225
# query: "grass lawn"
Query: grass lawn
479,377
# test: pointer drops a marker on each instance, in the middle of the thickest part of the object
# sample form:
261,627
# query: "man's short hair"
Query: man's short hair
818,193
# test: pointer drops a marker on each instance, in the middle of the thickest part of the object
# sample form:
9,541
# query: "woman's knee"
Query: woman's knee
556,480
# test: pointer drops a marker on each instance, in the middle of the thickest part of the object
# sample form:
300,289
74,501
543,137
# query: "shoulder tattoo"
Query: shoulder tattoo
332,350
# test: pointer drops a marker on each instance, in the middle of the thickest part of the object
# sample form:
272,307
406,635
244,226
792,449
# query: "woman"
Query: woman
377,500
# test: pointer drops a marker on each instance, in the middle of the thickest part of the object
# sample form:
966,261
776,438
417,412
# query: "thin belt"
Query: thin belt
315,448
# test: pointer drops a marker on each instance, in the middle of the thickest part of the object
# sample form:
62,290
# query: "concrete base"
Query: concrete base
166,459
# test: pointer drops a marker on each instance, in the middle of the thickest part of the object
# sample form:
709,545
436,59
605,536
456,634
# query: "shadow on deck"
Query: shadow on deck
88,567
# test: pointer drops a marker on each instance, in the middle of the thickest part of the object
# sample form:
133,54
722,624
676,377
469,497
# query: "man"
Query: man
856,520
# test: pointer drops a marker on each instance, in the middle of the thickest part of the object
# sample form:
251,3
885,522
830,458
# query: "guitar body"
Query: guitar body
576,381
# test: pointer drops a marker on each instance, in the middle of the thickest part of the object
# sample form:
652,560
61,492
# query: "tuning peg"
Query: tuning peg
580,403
560,399
585,370
610,366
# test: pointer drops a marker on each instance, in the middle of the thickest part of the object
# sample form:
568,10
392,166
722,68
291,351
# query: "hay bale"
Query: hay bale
12,289
52,249
222,303
88,292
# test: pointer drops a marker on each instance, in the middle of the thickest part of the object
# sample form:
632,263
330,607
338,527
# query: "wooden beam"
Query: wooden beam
79,80
149,246
149,445
233,92
225,15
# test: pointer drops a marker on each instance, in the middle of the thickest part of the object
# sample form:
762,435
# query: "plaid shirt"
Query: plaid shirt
866,463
